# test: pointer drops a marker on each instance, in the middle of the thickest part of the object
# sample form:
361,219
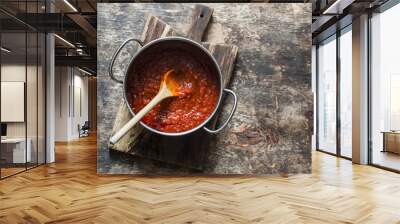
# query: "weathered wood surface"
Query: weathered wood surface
270,132
154,29
201,16
189,151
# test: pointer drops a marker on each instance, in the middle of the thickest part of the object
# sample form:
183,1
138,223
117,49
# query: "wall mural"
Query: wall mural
207,56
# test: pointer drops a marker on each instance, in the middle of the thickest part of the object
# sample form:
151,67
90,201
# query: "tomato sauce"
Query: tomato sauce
176,114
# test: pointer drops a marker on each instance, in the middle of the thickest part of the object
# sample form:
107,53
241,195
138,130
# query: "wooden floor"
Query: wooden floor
8,171
5,172
386,159
70,191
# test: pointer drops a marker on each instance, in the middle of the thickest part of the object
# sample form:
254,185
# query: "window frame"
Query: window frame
381,9
338,34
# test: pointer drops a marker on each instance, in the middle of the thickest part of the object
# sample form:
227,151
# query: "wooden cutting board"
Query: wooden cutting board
190,150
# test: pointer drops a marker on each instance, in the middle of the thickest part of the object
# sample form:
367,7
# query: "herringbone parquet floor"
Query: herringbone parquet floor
70,191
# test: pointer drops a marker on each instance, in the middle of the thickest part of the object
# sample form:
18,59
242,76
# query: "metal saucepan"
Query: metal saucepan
164,45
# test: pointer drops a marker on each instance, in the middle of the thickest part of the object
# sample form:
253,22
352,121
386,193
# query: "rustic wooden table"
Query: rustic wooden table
271,130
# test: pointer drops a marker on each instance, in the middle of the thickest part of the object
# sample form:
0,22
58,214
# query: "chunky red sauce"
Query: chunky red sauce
176,114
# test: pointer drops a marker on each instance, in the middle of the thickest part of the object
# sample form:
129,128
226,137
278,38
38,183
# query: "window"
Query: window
334,106
346,92
327,95
314,90
385,89
22,101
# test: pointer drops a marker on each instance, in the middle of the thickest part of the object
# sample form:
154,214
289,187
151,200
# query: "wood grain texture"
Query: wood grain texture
189,151
70,191
201,16
225,55
270,131
154,29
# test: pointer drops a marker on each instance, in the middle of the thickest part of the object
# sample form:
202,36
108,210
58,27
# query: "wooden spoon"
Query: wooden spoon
173,84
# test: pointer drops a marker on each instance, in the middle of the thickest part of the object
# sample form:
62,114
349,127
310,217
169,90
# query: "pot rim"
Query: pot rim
183,39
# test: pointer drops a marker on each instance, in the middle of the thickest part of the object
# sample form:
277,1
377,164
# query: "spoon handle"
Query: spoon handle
120,133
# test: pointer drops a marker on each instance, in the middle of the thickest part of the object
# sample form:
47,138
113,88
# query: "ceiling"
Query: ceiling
331,15
16,42
75,21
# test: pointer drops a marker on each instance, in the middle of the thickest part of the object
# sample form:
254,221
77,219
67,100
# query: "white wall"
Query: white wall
33,126
81,84
70,83
12,101
61,103
9,73
17,72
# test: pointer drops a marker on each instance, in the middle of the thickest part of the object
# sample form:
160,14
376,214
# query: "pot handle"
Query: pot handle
230,115
110,67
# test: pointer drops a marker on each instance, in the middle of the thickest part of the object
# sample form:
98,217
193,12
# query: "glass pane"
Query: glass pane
32,89
31,98
327,96
41,98
13,88
385,89
314,88
346,93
